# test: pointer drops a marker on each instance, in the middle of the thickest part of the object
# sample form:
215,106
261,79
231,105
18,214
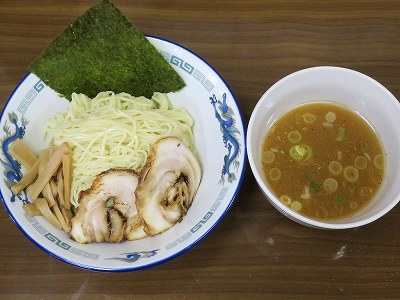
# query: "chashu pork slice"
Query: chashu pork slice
167,186
107,211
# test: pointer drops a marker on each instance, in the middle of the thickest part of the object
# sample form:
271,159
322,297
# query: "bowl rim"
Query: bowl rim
178,253
294,216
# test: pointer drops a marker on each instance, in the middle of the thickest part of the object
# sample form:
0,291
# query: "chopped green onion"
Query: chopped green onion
351,173
306,195
360,162
379,161
301,152
340,134
366,191
309,118
335,167
339,199
275,174
296,205
294,136
353,205
315,186
286,199
268,157
330,117
330,185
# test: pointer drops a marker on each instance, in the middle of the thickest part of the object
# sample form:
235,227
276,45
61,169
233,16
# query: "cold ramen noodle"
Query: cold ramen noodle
323,160
118,168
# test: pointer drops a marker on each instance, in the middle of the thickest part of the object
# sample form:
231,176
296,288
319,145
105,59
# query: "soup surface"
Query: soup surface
323,160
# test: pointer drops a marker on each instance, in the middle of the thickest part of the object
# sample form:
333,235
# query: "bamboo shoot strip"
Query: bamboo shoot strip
23,153
51,168
48,194
56,210
31,210
28,178
42,205
60,188
67,175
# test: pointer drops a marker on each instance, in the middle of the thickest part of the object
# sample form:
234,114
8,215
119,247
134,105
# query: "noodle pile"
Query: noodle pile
115,131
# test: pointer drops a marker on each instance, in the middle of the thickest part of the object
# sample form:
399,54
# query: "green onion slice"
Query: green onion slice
340,134
301,152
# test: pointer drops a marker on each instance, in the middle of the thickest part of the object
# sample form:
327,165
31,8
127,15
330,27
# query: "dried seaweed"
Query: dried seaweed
103,51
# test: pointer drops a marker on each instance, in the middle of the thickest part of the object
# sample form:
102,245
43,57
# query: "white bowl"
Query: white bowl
342,86
221,149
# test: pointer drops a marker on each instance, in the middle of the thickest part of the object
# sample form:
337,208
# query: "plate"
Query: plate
220,141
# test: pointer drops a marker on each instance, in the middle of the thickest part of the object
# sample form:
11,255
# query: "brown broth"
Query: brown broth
299,168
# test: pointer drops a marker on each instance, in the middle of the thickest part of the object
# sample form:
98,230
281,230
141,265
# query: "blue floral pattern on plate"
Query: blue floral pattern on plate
12,169
225,117
132,257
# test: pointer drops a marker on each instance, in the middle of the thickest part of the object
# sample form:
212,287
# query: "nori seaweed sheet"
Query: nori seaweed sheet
103,51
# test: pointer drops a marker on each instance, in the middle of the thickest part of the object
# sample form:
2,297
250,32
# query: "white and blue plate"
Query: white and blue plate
220,141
